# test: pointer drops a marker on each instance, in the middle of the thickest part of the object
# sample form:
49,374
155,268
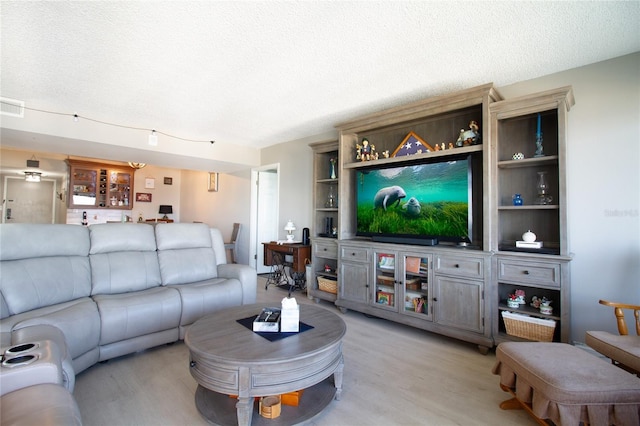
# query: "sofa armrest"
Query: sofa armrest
247,276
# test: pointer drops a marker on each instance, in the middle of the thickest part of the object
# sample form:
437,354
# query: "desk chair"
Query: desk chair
233,244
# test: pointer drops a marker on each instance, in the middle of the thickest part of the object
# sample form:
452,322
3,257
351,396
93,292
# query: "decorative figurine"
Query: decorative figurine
460,141
545,306
385,153
366,150
469,137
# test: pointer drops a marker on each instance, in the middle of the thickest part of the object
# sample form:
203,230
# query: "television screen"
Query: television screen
429,200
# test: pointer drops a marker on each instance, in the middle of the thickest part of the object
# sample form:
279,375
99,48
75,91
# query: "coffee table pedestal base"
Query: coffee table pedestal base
220,409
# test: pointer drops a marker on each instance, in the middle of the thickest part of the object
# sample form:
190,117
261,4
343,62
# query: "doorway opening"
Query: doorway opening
264,213
28,202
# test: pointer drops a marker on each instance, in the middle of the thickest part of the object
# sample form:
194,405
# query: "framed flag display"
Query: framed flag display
412,144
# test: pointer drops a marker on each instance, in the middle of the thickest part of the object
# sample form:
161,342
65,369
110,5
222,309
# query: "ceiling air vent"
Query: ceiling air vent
11,107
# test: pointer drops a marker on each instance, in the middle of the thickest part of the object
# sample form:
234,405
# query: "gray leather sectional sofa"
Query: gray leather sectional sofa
85,295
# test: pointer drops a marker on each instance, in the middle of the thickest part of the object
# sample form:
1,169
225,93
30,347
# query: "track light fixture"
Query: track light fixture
153,138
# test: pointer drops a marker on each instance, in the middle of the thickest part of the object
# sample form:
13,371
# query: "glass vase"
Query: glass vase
517,200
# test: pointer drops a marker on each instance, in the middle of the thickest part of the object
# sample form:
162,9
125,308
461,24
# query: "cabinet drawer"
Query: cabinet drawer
459,266
325,249
529,272
354,254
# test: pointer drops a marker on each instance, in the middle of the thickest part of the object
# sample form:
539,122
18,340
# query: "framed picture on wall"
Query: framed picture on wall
149,183
168,181
213,182
143,197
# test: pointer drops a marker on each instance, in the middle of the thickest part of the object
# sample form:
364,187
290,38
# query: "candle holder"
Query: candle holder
543,190
539,147
331,199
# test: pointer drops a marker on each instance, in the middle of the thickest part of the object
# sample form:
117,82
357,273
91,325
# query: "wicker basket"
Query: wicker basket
527,327
328,285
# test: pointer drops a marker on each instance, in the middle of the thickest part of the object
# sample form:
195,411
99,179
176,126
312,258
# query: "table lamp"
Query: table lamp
165,210
289,227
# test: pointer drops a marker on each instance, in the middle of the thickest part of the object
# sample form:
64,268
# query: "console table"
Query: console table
293,255
299,253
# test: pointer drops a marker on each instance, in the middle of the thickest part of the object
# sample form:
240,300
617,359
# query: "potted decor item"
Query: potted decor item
545,306
512,301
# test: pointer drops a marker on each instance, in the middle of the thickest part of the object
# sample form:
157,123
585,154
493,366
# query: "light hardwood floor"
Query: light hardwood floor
393,375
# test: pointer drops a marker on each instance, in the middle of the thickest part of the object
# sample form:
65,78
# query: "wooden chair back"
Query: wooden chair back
619,313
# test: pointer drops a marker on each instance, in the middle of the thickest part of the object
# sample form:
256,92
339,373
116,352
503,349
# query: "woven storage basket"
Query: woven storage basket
527,327
330,286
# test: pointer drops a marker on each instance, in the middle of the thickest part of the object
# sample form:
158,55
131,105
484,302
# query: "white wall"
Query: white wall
296,171
603,165
160,193
219,209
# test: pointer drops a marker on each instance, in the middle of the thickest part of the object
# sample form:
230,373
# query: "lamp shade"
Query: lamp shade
165,209
289,226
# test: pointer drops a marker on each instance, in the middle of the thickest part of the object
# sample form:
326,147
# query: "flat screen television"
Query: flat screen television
422,204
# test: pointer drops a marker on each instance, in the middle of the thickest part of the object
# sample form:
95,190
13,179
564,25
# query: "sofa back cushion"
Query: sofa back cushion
185,253
42,265
123,258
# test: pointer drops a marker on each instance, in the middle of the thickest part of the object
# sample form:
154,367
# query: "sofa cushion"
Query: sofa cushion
124,272
33,283
45,404
24,241
173,236
121,237
185,253
42,265
129,315
205,297
123,258
78,320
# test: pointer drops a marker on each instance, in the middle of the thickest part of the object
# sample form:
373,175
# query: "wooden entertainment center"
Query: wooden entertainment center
454,290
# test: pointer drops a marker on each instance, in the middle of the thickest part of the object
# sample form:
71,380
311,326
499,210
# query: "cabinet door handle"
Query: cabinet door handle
324,249
435,299
525,272
456,265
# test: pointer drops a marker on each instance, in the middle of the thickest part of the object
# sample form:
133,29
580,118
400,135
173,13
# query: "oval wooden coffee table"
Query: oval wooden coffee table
227,358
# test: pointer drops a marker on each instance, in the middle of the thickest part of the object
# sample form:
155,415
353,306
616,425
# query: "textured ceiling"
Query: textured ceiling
261,73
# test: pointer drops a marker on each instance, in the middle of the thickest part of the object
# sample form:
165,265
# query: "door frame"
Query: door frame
254,244
4,196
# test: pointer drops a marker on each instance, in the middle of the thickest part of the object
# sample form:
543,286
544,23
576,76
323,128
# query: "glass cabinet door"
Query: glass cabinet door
416,285
120,188
385,280
83,185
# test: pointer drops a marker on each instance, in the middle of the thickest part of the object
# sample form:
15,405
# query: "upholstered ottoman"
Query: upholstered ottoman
566,384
